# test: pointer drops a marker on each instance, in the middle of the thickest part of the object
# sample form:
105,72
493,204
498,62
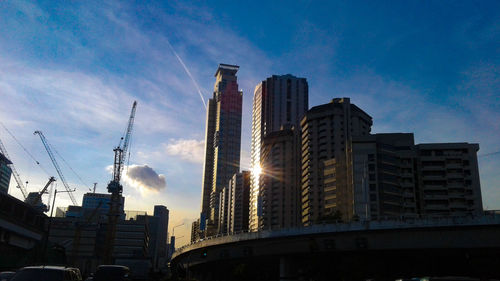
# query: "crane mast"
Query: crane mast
20,184
58,169
115,188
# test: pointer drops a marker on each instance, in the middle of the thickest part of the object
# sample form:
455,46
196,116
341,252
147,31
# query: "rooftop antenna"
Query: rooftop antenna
95,184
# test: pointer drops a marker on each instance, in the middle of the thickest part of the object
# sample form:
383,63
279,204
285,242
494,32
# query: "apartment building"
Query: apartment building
327,131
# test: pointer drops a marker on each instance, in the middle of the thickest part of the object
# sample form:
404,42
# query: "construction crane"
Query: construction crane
20,184
54,162
115,188
37,198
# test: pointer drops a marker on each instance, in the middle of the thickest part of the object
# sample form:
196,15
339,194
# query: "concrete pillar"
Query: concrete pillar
287,270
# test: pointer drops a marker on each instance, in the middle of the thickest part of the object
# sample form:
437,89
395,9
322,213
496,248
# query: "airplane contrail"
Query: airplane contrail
188,73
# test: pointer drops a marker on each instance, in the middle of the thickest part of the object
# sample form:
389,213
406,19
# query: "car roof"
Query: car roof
52,267
113,266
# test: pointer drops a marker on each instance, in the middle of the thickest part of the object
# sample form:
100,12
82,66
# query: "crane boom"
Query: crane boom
124,148
54,162
20,184
39,196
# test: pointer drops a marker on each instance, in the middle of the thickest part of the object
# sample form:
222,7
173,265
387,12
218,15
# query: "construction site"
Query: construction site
84,235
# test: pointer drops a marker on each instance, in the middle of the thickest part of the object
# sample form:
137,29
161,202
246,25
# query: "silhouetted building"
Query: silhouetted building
223,208
327,131
448,179
99,202
393,177
22,231
238,203
223,139
5,173
278,101
195,231
384,176
279,180
158,226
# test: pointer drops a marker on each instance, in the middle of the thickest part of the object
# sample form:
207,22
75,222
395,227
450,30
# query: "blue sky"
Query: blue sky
72,69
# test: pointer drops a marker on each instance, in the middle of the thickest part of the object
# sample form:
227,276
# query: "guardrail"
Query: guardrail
492,218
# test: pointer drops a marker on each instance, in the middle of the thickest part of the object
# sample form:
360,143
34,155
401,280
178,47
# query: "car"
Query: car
112,272
47,273
6,275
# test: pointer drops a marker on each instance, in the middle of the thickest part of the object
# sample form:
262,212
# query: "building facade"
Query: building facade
394,178
22,232
223,140
158,227
224,201
327,131
278,101
448,179
384,176
279,181
238,203
5,173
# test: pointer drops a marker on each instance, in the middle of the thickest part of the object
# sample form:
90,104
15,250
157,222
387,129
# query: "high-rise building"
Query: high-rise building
5,173
222,140
195,231
158,226
279,181
384,176
238,203
279,101
448,179
224,200
327,131
393,177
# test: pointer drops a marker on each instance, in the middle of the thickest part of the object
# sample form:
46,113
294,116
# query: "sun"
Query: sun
257,170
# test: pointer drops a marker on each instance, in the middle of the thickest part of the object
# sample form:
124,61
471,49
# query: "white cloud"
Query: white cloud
189,150
145,179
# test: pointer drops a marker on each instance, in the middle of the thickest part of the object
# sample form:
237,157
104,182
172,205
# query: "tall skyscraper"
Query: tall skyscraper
279,101
222,140
327,131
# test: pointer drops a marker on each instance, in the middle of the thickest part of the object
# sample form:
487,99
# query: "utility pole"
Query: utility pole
45,258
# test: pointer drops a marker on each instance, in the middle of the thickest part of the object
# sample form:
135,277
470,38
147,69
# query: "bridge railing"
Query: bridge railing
490,217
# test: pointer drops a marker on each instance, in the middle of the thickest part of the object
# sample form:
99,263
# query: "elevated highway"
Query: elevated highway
357,250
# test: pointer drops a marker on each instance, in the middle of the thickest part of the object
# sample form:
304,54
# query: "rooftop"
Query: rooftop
229,68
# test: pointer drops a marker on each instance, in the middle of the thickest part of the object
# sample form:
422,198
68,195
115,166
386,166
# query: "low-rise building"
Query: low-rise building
22,232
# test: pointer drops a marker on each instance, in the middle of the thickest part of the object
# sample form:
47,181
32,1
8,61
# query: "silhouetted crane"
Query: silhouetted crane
33,201
54,162
20,184
115,188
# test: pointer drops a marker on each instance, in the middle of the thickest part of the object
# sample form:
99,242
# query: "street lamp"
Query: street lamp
173,229
50,221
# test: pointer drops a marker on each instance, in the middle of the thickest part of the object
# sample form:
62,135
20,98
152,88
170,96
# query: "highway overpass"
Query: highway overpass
350,251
